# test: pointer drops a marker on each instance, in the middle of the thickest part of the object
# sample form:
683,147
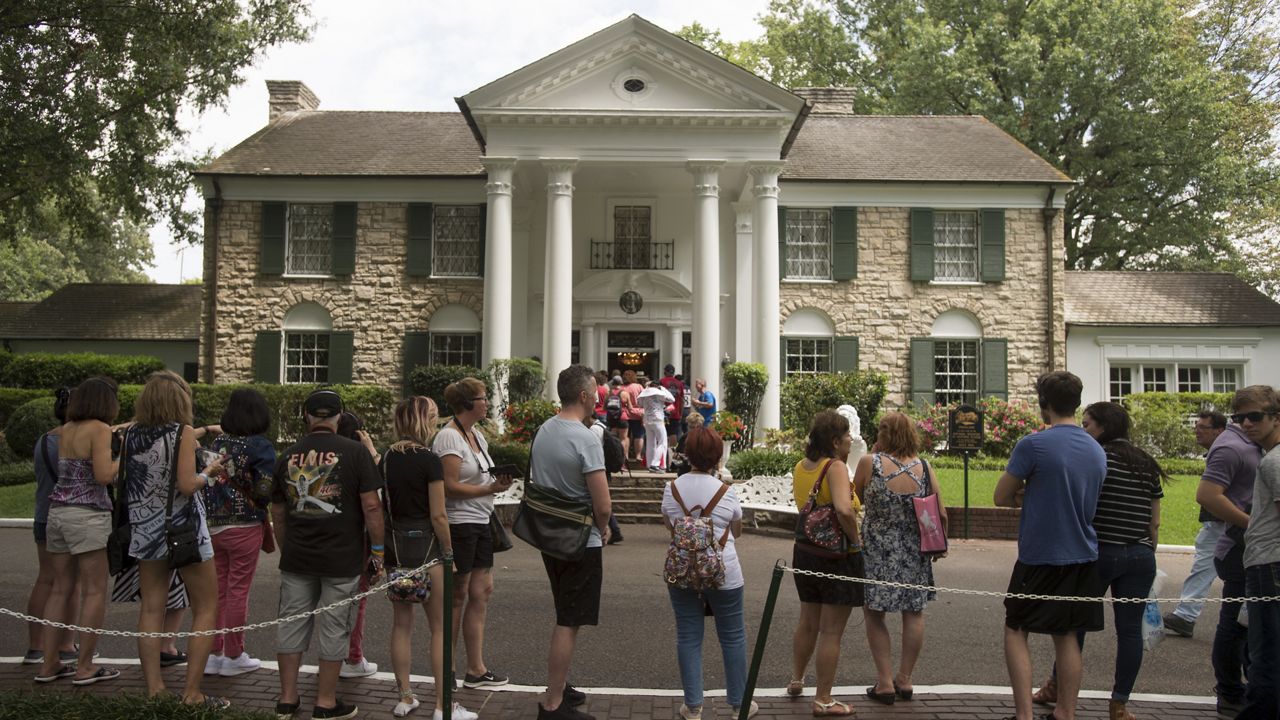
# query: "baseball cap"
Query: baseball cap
323,404
669,369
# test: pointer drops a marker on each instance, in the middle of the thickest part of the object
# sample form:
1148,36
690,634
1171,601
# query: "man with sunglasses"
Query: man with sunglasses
1226,492
1259,415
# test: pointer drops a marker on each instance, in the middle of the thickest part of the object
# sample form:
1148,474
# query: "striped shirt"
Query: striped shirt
1124,507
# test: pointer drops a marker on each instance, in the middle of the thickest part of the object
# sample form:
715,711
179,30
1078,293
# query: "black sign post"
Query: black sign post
965,433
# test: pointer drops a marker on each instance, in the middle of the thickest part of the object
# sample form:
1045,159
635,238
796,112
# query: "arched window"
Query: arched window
455,336
307,333
956,364
810,345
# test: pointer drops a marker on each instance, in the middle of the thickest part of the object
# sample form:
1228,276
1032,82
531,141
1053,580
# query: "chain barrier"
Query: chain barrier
1017,596
405,575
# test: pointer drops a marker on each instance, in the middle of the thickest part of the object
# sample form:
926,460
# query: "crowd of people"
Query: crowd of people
343,515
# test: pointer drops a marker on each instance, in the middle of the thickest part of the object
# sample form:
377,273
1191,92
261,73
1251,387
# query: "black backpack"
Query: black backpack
613,407
614,456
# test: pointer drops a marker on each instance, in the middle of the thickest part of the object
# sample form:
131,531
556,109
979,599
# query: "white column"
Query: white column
675,349
743,292
706,270
587,347
496,340
557,312
767,339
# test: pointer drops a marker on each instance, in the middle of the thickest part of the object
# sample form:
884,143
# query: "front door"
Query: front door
633,350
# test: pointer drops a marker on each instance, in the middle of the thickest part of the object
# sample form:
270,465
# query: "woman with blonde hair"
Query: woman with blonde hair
160,460
469,485
886,482
417,533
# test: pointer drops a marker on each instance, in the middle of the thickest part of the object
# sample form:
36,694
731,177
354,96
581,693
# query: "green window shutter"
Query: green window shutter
417,351
484,239
344,238
922,244
992,245
921,371
844,352
995,368
341,357
421,220
266,357
271,254
782,242
844,243
782,366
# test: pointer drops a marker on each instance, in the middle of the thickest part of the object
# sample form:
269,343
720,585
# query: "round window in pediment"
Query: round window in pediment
633,85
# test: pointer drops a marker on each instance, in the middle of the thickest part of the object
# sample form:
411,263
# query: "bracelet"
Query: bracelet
204,477
377,549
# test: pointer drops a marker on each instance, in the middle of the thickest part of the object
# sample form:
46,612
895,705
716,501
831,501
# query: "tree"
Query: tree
92,94
1164,111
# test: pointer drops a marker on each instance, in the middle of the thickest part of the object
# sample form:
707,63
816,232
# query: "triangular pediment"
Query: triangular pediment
632,66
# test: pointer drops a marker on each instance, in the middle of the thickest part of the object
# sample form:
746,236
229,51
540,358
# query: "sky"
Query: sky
419,55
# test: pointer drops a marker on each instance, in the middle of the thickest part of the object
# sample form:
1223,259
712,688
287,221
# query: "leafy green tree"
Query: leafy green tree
92,95
1164,111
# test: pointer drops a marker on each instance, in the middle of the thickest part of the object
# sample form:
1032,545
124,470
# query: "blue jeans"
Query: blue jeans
731,630
1200,580
1264,642
1230,655
1128,570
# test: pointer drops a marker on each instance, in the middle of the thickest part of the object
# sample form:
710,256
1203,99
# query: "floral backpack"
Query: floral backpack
695,559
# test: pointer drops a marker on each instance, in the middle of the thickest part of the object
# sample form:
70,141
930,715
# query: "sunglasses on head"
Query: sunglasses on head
1253,417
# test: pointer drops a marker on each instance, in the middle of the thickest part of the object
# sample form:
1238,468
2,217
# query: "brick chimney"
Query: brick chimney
286,96
829,100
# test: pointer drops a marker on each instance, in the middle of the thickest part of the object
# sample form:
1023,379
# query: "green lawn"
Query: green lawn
1178,510
18,501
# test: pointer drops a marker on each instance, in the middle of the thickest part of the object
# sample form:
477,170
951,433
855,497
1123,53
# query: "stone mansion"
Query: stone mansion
628,201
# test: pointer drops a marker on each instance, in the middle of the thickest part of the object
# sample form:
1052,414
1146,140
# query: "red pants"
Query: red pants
235,556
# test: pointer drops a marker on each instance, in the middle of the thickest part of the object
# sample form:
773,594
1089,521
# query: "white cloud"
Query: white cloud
413,55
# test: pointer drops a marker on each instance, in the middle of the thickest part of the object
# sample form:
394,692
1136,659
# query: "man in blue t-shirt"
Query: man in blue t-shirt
704,401
1055,476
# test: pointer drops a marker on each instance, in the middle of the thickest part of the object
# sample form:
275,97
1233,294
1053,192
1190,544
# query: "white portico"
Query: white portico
620,169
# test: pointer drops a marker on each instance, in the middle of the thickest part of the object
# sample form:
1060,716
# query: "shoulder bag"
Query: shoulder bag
554,524
818,530
118,557
933,535
410,549
182,542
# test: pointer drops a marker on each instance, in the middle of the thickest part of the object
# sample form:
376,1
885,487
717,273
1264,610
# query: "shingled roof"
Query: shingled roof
851,148
346,143
948,148
1166,298
110,311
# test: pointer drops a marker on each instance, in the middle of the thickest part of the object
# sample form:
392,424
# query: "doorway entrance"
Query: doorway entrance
635,350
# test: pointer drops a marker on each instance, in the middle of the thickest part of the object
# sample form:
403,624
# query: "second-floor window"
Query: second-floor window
632,234
457,240
955,239
309,239
808,244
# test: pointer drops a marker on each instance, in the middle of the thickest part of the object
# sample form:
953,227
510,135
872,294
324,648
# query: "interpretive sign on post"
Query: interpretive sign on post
965,433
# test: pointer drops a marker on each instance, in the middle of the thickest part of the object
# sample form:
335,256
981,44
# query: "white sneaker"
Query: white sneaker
364,668
751,711
232,667
213,665
404,708
459,713
689,713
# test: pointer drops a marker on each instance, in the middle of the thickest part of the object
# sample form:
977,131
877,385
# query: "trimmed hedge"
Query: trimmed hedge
19,473
13,398
1161,421
525,378
51,370
804,396
431,380
373,404
747,464
509,451
744,386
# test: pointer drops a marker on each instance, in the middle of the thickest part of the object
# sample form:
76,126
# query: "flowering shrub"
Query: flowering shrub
1004,422
524,419
729,426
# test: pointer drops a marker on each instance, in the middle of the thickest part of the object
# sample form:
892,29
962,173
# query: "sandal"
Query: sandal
102,673
884,698
795,688
211,702
904,693
62,672
1047,694
835,708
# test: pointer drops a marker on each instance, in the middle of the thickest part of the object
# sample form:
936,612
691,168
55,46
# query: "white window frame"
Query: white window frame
290,244
1112,381
942,347
806,217
455,343
309,341
815,353
940,228
438,243
1172,371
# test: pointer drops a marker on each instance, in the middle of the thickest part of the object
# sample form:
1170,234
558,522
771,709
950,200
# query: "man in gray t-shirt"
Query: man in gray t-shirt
567,457
1257,410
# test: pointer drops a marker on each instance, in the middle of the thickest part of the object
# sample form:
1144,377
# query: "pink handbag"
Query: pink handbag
933,535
